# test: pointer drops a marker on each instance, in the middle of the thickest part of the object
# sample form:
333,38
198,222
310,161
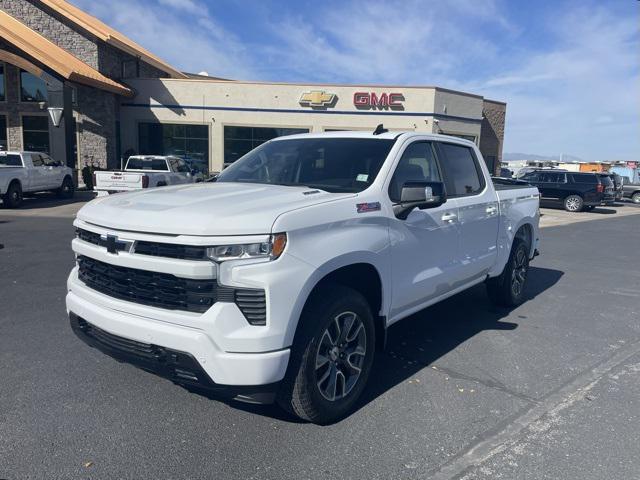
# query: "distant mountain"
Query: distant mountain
539,158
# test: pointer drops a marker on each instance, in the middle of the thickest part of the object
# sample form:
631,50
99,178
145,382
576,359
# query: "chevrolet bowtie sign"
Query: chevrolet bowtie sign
317,98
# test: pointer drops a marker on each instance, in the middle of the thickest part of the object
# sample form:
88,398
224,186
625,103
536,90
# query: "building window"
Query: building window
32,88
3,133
190,142
35,133
241,140
2,86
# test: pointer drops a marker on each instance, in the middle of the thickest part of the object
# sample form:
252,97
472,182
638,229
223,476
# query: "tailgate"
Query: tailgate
118,181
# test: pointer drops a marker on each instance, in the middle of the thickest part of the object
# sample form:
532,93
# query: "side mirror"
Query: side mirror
419,195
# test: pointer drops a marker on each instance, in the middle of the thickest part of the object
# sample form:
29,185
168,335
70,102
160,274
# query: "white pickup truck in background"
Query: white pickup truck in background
279,280
145,171
31,172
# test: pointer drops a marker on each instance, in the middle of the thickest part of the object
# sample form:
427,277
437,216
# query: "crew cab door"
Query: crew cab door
478,209
424,247
37,173
54,172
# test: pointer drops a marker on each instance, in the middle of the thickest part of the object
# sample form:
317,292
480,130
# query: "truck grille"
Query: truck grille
155,249
163,290
170,250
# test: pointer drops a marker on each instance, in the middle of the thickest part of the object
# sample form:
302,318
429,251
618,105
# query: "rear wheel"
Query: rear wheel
573,203
331,357
635,198
67,188
13,197
507,289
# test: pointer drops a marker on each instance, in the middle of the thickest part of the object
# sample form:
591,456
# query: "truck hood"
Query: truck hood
202,209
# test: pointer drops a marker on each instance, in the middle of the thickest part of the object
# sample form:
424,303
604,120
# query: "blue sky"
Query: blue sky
569,70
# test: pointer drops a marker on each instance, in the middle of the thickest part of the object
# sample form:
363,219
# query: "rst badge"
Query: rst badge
368,207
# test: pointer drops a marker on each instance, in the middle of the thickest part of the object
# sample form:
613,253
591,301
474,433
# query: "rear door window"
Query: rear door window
461,170
585,178
553,177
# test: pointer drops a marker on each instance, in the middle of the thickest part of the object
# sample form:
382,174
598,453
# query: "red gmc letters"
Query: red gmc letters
375,100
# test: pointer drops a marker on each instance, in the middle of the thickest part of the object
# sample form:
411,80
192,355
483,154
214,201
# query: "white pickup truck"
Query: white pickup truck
31,172
144,171
279,281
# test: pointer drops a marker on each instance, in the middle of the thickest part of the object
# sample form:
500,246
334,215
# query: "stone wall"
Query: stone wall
492,132
55,28
96,114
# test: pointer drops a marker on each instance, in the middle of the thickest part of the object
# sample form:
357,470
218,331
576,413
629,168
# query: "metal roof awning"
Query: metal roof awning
57,59
108,35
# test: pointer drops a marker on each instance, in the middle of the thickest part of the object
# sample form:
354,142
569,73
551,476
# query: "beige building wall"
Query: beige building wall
218,103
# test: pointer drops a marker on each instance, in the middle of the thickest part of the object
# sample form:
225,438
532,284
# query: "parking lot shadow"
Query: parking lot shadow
50,200
417,342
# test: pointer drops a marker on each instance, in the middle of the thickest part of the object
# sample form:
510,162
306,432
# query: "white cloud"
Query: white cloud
189,45
188,6
581,95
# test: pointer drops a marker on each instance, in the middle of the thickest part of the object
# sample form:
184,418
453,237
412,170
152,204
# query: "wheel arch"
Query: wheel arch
364,277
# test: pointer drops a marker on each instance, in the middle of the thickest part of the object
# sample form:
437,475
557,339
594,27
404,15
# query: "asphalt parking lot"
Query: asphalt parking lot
465,390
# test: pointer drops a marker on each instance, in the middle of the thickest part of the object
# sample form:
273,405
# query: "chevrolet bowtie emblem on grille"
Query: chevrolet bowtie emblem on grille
113,245
317,98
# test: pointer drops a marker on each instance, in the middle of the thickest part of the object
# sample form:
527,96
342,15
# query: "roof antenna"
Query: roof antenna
380,129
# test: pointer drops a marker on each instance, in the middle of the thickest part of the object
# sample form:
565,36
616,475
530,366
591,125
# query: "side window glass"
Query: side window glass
461,170
37,160
532,177
417,164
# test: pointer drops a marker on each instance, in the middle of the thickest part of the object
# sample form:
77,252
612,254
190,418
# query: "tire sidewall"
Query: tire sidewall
520,245
13,197
635,198
316,320
580,203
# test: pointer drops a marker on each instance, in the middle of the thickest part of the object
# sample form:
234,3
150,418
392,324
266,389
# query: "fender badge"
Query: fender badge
368,207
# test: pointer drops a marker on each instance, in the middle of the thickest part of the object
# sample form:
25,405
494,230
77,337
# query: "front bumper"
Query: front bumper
222,367
180,367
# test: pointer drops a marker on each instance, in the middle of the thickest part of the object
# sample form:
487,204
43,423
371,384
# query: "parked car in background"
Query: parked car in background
278,281
630,190
31,172
144,171
617,184
505,173
574,191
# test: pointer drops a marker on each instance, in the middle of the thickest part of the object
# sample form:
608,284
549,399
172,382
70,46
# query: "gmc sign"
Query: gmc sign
382,101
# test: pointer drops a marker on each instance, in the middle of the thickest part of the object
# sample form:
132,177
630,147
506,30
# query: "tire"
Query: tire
507,290
67,189
635,198
13,197
573,203
320,361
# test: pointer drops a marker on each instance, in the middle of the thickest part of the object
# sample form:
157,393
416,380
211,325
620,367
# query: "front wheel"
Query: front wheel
507,289
573,203
67,189
331,357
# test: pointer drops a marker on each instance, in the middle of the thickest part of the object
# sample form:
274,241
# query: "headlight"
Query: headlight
271,249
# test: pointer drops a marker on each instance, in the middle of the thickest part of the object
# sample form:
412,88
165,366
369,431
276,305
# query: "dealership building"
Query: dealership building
75,88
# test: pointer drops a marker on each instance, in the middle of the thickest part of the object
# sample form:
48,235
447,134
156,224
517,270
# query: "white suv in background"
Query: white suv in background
31,172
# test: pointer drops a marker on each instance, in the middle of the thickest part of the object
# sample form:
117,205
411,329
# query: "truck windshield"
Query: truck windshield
10,160
330,164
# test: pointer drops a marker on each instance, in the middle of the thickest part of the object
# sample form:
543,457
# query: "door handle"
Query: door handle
449,217
492,210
